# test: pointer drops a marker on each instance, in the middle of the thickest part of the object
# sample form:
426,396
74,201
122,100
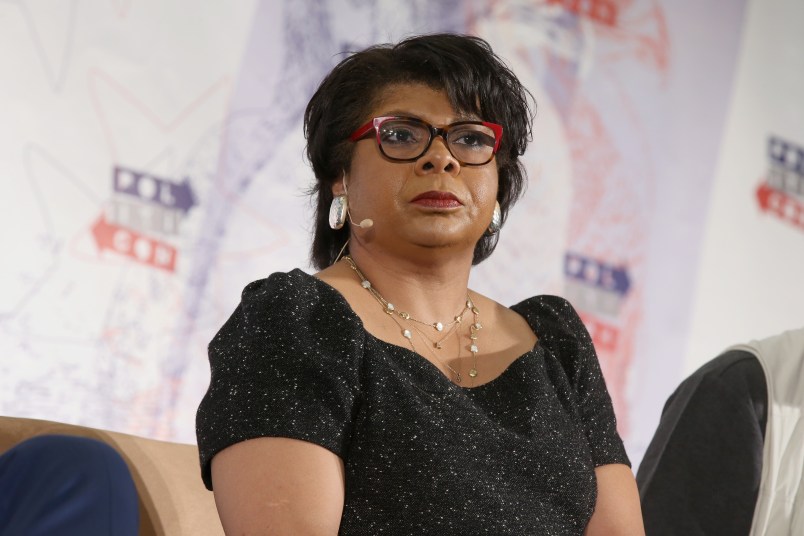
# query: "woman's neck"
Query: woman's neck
430,289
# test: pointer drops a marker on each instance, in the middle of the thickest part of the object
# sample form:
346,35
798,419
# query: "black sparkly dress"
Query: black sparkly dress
515,456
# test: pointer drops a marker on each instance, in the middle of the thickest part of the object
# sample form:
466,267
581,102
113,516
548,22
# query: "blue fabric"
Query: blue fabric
65,485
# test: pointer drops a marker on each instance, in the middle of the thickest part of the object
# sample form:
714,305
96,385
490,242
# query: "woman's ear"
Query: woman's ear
339,185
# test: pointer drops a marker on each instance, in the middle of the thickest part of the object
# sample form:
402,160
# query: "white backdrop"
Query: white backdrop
151,165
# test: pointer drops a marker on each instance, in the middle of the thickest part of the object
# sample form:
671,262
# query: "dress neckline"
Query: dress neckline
427,364
432,368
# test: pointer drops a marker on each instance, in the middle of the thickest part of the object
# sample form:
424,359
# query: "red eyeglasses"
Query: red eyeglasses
405,139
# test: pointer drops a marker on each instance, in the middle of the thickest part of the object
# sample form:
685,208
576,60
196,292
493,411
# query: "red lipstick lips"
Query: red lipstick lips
435,199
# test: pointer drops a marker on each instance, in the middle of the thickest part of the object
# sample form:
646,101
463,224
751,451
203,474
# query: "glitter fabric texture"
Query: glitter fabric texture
421,454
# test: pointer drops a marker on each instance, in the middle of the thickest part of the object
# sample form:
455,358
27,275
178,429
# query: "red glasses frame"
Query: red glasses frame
376,122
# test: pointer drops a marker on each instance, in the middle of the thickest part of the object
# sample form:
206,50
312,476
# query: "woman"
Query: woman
382,396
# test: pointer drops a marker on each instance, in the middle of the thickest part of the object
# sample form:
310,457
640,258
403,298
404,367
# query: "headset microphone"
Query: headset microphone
365,224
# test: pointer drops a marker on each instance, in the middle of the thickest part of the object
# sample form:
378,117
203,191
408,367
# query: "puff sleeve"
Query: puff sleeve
577,375
285,364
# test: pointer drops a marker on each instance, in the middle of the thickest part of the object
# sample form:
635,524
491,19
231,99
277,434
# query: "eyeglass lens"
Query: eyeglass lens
404,139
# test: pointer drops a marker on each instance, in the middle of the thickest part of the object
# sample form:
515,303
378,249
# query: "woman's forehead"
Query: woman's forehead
418,100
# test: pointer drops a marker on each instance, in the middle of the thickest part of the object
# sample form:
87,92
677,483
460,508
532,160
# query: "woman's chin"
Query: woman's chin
445,239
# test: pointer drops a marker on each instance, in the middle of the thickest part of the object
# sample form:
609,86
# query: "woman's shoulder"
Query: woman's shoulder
561,331
291,302
295,290
543,304
550,318
280,285
549,315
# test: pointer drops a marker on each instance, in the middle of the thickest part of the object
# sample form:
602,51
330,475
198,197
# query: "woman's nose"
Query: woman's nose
438,159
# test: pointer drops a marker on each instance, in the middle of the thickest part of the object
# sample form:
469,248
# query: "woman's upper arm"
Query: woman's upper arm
276,485
617,511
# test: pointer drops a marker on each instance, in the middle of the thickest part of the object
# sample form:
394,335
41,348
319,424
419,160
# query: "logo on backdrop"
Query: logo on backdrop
597,289
602,11
782,192
142,217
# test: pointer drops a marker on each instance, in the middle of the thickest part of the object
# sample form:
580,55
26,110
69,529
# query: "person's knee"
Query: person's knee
82,459
56,480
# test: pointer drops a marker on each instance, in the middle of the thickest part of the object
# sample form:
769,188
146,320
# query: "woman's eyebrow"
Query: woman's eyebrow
407,113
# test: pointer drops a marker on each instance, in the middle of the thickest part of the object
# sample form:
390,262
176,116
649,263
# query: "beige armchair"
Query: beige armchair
173,500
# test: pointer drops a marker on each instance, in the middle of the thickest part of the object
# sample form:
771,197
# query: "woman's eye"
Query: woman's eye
402,132
473,139
469,139
399,135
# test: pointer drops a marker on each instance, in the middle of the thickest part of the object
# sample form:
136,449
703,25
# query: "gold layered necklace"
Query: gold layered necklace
443,329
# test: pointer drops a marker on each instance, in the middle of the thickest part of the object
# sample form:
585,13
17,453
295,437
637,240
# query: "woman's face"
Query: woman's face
433,202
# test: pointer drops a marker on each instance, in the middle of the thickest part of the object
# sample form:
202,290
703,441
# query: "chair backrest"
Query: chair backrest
173,500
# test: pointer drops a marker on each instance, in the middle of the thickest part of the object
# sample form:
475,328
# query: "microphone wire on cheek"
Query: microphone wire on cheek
364,224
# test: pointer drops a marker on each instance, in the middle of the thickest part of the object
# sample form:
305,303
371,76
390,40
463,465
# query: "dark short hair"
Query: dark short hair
475,81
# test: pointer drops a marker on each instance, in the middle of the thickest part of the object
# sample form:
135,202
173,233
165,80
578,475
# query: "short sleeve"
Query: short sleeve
562,332
285,364
702,471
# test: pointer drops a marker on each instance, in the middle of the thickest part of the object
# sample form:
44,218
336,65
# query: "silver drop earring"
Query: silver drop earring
496,220
338,211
